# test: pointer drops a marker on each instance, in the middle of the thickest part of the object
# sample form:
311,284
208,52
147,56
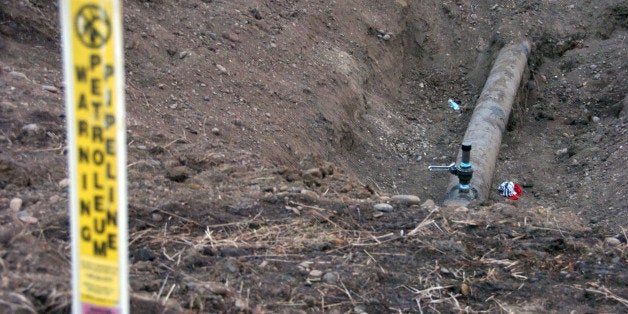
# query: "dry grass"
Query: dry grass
309,225
603,291
287,238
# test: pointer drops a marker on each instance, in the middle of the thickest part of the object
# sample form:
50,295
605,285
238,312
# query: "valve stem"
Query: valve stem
464,172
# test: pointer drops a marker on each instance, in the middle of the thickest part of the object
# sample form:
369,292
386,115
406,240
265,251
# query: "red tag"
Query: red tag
517,192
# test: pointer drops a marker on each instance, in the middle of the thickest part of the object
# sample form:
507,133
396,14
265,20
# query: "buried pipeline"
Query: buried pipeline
483,137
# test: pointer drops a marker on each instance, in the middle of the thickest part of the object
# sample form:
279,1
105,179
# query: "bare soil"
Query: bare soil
262,133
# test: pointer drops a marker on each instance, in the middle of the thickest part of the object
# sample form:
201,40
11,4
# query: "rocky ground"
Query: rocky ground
278,153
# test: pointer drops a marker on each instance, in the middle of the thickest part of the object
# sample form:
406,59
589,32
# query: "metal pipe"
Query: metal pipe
466,154
488,123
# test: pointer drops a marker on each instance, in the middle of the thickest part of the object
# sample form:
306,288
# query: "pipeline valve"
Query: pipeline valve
464,172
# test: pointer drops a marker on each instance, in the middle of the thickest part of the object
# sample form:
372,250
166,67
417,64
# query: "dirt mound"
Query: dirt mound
266,138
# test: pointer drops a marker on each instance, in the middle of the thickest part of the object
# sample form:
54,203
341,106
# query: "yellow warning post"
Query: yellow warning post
94,80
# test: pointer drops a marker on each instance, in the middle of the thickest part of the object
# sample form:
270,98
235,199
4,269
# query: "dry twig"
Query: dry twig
608,294
180,217
426,222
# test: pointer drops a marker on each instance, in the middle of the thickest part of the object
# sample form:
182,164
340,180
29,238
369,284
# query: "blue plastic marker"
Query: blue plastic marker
453,105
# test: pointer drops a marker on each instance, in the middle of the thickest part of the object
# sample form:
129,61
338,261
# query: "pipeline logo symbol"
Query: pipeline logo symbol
93,26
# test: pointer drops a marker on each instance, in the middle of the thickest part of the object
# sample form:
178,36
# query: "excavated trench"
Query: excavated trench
403,122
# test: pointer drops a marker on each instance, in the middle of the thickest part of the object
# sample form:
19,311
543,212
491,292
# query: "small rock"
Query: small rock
314,172
238,122
232,37
18,74
24,216
216,131
256,14
263,264
55,199
50,88
231,252
598,138
407,199
241,304
428,205
156,217
145,255
222,69
64,183
595,119
33,131
183,54
330,278
562,152
360,309
315,275
232,265
527,183
346,188
309,194
304,266
16,204
190,284
178,173
386,37
464,288
383,207
5,105
612,241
